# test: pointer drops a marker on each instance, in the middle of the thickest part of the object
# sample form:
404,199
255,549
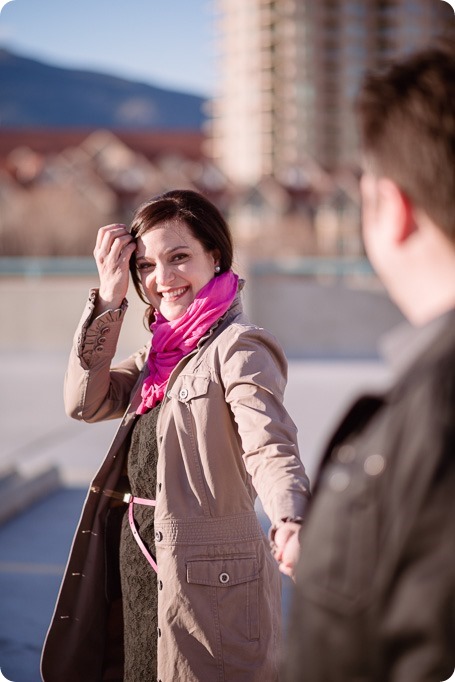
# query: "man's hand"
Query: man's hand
287,547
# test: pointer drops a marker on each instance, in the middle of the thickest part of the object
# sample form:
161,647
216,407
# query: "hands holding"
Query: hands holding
287,547
113,250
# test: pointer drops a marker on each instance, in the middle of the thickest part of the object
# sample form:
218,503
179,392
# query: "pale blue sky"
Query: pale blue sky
162,42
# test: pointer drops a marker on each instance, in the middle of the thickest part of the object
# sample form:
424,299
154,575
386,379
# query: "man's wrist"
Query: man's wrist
287,519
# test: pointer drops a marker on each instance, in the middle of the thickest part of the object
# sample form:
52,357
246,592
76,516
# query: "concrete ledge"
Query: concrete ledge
20,489
312,319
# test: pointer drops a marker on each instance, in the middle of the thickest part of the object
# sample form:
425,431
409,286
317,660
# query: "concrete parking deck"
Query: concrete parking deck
37,437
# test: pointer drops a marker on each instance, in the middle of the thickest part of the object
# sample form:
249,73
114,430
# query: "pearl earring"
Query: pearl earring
217,269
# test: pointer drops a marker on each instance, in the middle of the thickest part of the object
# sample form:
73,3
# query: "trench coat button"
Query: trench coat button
169,395
183,395
105,330
160,584
374,465
99,348
158,536
224,578
102,339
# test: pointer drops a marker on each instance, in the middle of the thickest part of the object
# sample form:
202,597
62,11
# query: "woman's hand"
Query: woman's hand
287,547
113,250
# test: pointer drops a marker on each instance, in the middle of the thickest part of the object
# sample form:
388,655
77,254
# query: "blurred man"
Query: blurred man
375,585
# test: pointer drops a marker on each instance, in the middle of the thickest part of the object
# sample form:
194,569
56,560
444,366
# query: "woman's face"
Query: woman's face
173,267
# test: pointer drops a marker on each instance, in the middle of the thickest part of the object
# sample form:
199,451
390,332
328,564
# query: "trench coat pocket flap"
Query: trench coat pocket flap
222,572
190,386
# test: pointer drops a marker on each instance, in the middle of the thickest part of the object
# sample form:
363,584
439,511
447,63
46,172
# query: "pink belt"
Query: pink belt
131,501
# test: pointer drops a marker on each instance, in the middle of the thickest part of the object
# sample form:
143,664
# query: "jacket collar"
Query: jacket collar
405,344
234,309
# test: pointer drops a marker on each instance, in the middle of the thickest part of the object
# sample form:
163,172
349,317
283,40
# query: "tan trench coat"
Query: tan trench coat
223,437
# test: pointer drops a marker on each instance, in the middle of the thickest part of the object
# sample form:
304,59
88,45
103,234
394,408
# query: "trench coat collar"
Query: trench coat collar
234,309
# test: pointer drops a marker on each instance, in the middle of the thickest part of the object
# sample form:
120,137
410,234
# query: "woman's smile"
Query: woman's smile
173,294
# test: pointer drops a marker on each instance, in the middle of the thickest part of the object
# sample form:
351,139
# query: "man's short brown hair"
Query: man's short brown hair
406,120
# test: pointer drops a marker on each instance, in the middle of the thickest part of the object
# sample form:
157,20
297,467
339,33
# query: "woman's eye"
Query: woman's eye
145,266
179,256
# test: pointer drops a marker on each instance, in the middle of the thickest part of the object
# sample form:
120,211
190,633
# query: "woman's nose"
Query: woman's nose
164,274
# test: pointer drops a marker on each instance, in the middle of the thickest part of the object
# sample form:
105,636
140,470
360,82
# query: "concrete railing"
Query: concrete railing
317,308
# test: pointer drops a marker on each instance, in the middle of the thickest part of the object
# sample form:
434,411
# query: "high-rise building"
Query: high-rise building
288,71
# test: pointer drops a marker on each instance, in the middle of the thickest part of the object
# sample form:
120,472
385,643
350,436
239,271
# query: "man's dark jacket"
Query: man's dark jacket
375,593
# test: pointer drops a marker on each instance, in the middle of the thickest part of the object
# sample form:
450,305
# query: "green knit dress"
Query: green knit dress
138,579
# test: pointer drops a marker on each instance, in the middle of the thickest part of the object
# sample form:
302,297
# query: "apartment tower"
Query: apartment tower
288,72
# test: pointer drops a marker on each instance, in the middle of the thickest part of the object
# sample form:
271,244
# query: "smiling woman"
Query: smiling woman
170,272
180,238
173,267
182,586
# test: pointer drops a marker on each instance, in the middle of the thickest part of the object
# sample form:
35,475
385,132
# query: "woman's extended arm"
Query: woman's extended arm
254,373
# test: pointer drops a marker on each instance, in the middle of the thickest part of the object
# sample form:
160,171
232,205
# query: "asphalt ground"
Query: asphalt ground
33,551
37,434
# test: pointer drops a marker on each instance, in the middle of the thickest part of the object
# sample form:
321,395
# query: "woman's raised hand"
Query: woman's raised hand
112,252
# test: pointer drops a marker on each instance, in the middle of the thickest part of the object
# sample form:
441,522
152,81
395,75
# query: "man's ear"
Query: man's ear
399,209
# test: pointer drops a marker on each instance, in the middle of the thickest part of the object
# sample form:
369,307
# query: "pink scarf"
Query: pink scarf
172,340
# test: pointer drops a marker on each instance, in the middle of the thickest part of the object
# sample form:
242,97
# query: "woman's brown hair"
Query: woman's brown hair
203,219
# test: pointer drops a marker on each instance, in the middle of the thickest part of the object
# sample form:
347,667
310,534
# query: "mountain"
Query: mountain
34,94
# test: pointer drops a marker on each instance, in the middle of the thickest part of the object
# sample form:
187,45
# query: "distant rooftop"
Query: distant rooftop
147,142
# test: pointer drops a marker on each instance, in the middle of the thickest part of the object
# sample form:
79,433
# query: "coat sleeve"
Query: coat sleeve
254,374
93,390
